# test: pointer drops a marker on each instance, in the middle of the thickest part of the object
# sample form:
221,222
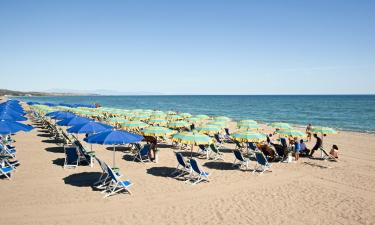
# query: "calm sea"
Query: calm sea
347,112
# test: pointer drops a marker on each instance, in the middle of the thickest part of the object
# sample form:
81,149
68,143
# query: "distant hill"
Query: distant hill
32,93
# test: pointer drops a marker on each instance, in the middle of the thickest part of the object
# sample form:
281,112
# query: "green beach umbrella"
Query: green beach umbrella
202,116
222,118
174,117
178,124
279,125
194,120
160,122
221,124
209,129
247,121
192,138
291,133
185,115
248,136
133,125
140,117
156,131
248,126
115,120
323,130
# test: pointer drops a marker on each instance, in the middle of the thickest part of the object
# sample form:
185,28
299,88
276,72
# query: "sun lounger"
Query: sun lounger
219,141
262,163
143,154
198,175
326,156
183,168
71,157
242,162
84,154
116,184
4,150
203,150
215,152
6,170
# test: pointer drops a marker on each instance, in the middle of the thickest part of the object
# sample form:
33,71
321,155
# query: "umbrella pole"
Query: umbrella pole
114,162
191,153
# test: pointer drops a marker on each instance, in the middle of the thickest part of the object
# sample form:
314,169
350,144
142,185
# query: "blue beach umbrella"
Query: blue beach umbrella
73,121
114,137
54,113
63,115
11,127
10,116
91,127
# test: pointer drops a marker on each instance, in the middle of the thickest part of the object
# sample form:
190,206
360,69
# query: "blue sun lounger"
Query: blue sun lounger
71,157
143,154
262,163
183,168
198,175
11,151
241,160
6,170
116,185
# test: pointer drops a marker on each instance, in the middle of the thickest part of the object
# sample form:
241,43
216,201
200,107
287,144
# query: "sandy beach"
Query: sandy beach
307,192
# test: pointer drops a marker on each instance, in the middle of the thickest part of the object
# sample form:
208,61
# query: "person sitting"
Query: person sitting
334,152
317,145
304,150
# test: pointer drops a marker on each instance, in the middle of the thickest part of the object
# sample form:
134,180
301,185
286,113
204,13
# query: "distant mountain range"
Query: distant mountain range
71,92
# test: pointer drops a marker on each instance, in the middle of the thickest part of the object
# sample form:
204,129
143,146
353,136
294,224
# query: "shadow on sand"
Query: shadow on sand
220,165
55,149
84,179
162,171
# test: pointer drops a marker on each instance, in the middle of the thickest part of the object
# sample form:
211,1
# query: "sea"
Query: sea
343,112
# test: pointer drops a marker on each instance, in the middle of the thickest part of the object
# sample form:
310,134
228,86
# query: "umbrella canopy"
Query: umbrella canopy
114,137
73,121
246,121
185,115
248,136
323,130
192,138
54,113
90,127
130,125
221,124
9,110
194,120
209,129
202,116
160,122
156,131
174,117
11,116
248,126
171,112
279,125
222,118
291,133
11,127
115,120
178,124
63,115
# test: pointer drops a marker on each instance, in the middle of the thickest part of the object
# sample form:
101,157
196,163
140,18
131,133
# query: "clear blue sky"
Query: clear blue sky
195,46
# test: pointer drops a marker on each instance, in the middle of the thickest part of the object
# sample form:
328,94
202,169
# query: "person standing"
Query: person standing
317,145
308,131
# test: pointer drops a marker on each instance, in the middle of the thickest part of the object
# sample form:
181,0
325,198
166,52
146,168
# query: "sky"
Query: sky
189,47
